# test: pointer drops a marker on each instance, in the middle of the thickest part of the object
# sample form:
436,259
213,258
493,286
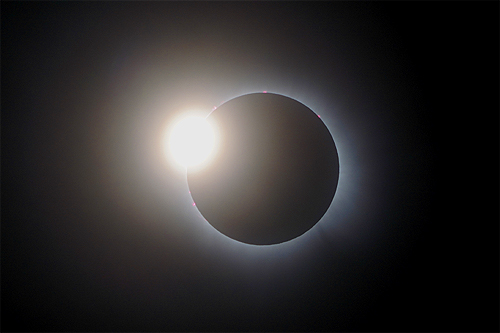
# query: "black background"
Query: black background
94,231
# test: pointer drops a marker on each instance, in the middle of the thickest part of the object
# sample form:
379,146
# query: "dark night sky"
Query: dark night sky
98,231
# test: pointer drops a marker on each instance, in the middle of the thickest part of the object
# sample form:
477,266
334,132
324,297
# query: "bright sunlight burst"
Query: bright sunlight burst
192,142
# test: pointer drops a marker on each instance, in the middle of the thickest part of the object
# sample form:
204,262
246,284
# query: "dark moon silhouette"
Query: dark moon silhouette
275,173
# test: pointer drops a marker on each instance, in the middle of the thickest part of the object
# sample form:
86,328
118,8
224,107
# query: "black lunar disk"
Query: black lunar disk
275,173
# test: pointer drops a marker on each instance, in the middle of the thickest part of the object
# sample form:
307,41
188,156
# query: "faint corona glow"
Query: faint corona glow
337,215
191,142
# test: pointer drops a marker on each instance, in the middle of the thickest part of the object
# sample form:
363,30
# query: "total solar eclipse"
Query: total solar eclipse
273,170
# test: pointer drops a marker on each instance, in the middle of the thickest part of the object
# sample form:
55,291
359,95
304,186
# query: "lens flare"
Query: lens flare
192,142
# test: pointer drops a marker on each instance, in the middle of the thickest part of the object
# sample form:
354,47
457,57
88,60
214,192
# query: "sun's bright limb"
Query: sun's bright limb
191,142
